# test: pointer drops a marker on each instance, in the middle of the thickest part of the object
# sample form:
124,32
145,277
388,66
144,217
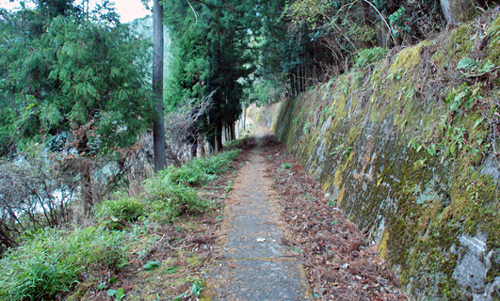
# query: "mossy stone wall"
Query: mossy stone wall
409,148
265,115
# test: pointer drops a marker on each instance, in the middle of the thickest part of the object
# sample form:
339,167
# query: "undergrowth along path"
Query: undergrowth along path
252,263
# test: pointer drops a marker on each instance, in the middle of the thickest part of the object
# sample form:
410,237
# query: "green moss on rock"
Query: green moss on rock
415,174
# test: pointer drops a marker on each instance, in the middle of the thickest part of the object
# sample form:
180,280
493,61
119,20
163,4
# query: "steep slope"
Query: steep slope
409,148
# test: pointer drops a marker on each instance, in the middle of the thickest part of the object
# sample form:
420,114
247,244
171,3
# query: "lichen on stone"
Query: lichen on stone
420,173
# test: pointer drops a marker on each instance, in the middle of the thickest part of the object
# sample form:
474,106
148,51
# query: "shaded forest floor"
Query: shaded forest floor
227,260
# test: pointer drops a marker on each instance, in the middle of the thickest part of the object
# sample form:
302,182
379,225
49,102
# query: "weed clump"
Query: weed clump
199,170
171,200
171,190
368,56
115,213
51,261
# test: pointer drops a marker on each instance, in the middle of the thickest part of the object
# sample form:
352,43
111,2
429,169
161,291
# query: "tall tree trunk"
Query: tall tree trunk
315,75
223,133
448,15
158,126
296,81
301,82
215,146
211,146
85,167
244,118
201,144
218,136
86,187
301,79
304,79
233,134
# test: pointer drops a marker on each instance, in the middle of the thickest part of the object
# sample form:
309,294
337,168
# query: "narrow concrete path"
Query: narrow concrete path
253,265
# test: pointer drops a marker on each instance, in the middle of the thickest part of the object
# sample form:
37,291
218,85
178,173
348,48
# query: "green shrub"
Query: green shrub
51,261
171,200
170,197
200,170
365,57
216,164
233,143
113,213
188,173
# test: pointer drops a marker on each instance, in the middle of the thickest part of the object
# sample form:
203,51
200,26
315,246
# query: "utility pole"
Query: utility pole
158,126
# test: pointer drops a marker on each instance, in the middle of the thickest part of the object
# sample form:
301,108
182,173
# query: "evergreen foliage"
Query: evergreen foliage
211,50
64,71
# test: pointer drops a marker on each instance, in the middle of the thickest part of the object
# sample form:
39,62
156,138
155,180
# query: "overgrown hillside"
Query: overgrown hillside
408,146
150,245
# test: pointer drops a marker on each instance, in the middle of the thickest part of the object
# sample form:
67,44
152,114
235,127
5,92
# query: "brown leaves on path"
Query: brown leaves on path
341,264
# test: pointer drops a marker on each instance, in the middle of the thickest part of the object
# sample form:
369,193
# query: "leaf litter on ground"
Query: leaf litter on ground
341,264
